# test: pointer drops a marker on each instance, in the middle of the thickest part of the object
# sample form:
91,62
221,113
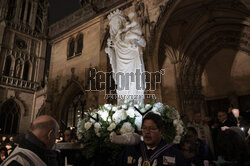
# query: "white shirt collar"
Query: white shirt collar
148,148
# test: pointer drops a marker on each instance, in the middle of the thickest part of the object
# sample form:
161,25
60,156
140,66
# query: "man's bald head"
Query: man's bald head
44,122
45,128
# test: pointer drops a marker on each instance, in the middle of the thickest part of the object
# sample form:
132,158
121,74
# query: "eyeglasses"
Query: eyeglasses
150,129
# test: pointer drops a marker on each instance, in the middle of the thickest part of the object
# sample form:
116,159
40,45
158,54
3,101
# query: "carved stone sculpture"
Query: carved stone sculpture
126,56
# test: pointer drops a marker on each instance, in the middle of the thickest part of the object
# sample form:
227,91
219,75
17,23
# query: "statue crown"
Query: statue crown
117,12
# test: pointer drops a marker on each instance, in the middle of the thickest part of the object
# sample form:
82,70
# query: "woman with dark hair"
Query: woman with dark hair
232,148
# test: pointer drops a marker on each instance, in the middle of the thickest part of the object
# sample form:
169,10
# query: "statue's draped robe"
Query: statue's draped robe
129,62
125,54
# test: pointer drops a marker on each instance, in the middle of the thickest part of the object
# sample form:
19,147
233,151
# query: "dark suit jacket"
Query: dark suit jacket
131,154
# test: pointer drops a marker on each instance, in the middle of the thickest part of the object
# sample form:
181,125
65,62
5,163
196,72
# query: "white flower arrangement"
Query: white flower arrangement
97,125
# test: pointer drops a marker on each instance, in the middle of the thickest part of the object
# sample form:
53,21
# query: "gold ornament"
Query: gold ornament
146,163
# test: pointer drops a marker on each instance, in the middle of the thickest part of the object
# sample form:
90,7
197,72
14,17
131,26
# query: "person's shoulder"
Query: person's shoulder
131,150
170,149
176,154
174,149
132,147
14,163
128,151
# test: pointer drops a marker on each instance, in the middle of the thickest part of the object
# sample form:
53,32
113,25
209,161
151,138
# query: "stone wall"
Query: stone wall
185,43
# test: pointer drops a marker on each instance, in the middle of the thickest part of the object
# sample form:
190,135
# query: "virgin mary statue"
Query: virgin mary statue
126,56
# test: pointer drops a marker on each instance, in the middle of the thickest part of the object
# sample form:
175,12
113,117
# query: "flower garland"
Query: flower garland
94,129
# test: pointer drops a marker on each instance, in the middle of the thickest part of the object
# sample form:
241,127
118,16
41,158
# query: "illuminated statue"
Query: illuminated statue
126,56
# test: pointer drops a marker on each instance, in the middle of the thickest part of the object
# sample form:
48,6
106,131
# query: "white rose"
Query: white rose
138,122
119,115
124,106
137,106
154,109
114,109
116,117
131,112
127,128
160,106
92,120
104,114
111,127
97,126
123,114
148,106
175,122
87,125
141,105
108,106
143,110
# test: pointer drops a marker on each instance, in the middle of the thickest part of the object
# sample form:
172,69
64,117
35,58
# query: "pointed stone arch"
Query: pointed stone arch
11,9
8,66
12,111
73,88
71,48
79,44
188,34
27,71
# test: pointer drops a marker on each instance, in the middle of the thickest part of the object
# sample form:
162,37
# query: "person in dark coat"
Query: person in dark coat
190,150
224,120
232,148
153,150
35,148
204,153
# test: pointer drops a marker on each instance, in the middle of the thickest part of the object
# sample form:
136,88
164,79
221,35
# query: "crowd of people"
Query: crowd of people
206,143
6,146
220,142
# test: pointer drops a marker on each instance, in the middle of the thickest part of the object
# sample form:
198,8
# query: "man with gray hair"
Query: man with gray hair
35,149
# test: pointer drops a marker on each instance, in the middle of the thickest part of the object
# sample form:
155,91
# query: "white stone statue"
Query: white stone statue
126,56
